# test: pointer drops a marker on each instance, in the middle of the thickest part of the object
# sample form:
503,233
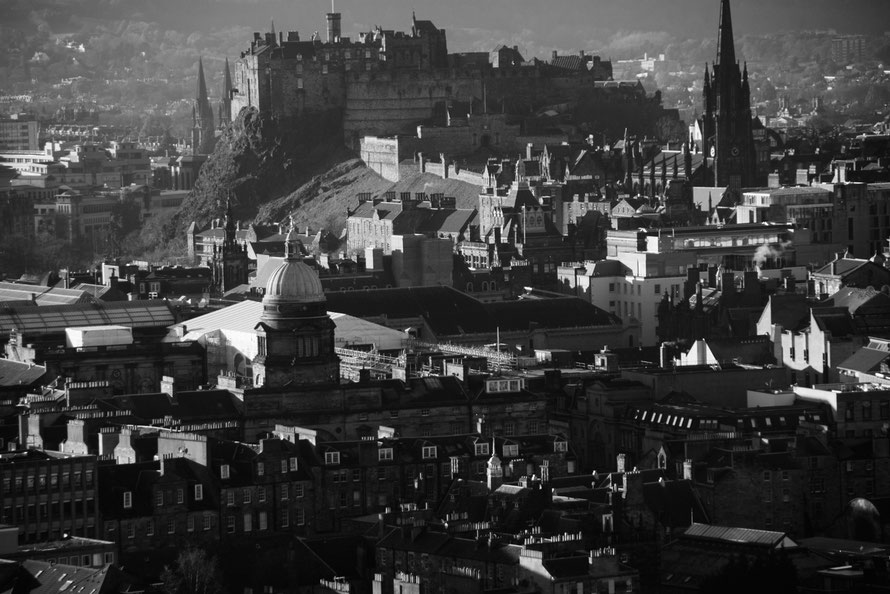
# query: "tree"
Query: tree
193,573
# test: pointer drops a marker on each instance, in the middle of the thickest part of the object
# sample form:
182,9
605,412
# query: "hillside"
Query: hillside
322,202
259,160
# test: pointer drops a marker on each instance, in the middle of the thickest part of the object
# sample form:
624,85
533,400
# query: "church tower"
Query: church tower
202,117
228,265
224,110
727,130
295,333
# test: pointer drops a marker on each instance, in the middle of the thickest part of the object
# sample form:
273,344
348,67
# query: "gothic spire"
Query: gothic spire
227,82
725,43
201,94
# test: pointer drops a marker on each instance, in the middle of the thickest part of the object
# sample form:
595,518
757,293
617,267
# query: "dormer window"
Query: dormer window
128,499
331,458
199,492
428,452
384,454
482,448
560,446
511,450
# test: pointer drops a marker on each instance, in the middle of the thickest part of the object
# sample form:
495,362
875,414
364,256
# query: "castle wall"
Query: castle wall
381,155
386,103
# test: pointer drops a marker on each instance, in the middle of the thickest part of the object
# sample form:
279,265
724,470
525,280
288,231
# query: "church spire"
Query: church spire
201,93
227,81
725,43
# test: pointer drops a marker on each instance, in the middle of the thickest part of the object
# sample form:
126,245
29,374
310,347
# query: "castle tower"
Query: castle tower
224,111
726,125
229,262
333,20
295,333
202,125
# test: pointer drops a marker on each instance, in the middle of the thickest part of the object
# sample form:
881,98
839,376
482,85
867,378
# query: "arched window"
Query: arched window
469,287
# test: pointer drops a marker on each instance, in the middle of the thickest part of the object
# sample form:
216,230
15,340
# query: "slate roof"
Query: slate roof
789,310
466,195
450,312
197,406
675,503
55,578
54,319
744,536
840,267
13,373
865,360
43,295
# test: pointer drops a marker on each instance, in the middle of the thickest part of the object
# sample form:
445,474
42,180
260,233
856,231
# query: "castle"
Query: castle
386,82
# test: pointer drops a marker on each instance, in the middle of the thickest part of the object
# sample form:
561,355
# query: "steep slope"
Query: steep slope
260,159
324,199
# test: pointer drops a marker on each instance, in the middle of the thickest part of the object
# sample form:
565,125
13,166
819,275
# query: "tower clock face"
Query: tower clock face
734,151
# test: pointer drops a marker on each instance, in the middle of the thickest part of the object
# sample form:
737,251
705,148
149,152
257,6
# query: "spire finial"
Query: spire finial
725,42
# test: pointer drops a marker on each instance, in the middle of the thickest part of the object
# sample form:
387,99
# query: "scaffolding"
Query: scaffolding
497,360
379,366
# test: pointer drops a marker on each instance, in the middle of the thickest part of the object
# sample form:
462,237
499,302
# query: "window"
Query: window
331,458
293,463
560,446
248,522
159,498
301,517
511,450
263,521
786,495
128,499
224,471
428,452
657,289
260,469
482,449
284,492
298,491
230,498
171,526
190,524
767,475
285,518
384,454
247,496
283,466
199,492
786,475
180,496
207,521
261,494
150,528
230,524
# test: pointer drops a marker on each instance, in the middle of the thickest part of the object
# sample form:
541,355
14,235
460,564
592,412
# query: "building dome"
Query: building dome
294,281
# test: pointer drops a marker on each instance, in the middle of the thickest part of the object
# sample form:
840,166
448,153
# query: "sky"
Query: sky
475,25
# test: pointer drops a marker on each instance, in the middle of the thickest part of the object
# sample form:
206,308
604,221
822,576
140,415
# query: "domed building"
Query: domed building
295,333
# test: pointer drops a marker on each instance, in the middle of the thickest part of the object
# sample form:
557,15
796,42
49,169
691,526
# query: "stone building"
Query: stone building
296,334
727,128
